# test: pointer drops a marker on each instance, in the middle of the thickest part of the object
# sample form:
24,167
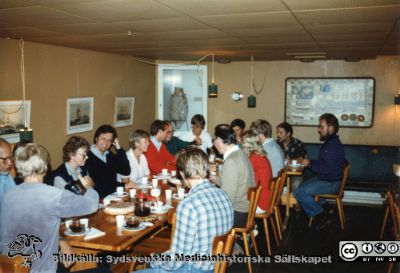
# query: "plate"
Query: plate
175,181
164,210
69,232
161,176
141,226
176,196
120,195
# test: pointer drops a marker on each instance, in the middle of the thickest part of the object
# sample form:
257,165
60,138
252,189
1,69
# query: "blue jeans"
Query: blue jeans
308,189
187,268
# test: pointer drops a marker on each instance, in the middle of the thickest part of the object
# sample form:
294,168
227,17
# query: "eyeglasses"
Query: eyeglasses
103,139
9,158
83,155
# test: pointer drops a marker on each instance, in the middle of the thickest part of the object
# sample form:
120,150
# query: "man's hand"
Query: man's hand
116,144
198,141
86,181
65,248
306,162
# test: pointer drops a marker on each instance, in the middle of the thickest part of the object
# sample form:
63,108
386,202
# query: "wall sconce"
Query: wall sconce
26,135
397,99
212,88
251,101
237,96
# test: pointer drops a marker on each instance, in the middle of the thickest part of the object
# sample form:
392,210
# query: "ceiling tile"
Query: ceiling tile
344,16
25,33
37,16
270,31
372,36
279,39
213,42
333,4
253,20
87,29
166,24
350,28
120,10
11,4
213,7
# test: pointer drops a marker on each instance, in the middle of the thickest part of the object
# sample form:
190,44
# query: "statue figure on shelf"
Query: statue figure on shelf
179,107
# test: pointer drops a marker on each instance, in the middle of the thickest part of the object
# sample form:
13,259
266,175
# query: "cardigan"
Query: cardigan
104,174
159,159
263,174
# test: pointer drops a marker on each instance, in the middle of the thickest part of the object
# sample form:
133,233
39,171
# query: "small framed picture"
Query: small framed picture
79,115
14,116
123,111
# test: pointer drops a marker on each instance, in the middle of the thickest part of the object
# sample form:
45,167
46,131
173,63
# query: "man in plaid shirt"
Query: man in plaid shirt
206,213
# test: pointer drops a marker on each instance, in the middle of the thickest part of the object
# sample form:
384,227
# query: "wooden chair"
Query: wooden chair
275,187
222,245
277,212
390,199
253,195
338,197
155,244
12,265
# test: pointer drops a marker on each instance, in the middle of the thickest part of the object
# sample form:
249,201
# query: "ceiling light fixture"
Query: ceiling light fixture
212,88
251,100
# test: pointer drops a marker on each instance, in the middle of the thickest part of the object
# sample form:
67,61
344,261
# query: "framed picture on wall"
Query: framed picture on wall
79,115
123,111
14,115
351,100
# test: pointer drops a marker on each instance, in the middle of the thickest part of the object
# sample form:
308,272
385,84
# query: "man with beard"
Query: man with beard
328,169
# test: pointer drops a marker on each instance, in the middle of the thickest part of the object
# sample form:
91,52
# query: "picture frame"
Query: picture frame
79,115
123,111
350,99
14,115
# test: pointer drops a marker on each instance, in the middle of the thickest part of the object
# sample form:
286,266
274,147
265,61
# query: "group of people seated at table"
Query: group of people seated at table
216,201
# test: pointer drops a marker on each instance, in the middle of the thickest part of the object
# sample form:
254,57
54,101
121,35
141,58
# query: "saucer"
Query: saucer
175,181
141,226
176,196
161,176
162,211
295,165
69,232
120,195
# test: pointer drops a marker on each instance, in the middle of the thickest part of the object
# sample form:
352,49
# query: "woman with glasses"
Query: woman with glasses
72,173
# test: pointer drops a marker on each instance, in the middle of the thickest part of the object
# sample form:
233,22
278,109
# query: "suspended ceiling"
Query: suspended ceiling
232,29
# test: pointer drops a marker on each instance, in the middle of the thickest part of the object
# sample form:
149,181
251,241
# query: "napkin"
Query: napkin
94,233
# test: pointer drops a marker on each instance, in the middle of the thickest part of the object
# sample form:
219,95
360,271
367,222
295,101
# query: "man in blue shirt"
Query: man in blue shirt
6,180
206,213
328,169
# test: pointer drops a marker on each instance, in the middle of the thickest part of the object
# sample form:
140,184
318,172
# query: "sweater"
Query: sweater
175,145
263,174
159,159
104,174
331,159
275,155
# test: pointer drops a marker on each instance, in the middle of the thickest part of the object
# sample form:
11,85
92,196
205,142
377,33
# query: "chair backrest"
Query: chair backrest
172,221
279,189
275,193
12,265
391,199
222,246
346,170
253,195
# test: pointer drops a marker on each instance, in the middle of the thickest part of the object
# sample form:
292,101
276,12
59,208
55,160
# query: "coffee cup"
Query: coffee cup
181,193
154,181
132,222
120,220
173,173
144,180
168,194
67,223
85,223
294,162
211,158
120,190
158,206
164,171
76,226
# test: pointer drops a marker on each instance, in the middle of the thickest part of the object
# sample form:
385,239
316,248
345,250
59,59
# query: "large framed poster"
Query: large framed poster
351,100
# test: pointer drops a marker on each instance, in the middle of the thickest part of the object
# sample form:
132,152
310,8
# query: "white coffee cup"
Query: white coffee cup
164,171
168,194
181,193
154,182
67,223
120,219
158,206
173,173
155,192
120,190
132,193
294,162
106,202
84,222
211,158
144,180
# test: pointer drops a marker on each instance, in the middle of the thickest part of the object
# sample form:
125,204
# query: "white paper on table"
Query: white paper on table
94,233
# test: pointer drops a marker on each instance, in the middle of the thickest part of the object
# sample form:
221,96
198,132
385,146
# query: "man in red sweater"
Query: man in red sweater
157,154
